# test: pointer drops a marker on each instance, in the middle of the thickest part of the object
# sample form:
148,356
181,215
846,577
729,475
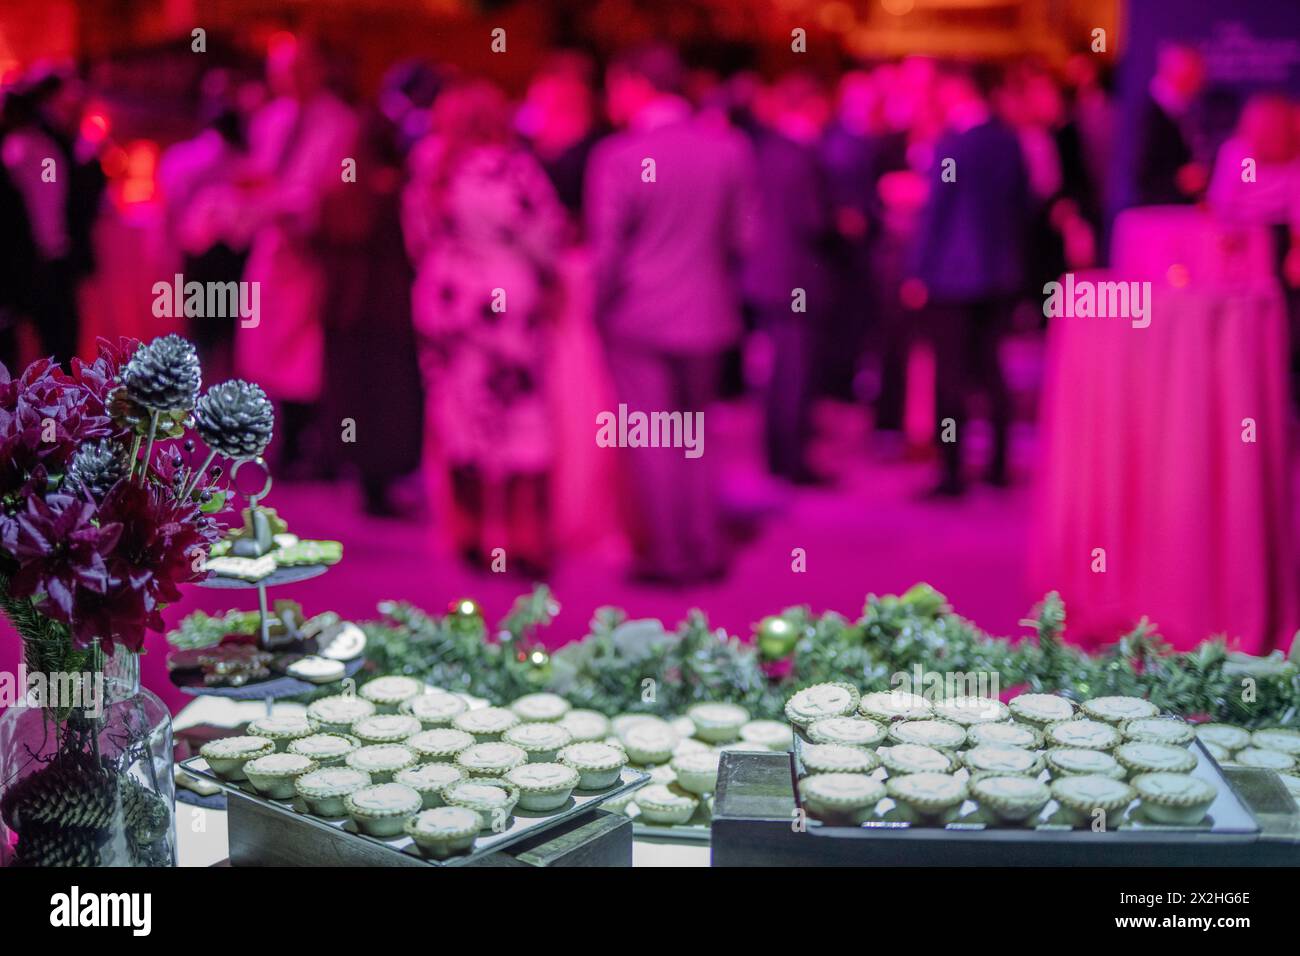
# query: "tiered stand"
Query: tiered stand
278,687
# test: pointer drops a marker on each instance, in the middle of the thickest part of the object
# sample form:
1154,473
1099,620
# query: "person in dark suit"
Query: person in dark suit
856,150
969,262
61,211
370,344
18,254
667,200
789,253
1167,171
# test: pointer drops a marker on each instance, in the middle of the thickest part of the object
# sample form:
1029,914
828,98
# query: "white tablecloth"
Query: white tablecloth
1146,453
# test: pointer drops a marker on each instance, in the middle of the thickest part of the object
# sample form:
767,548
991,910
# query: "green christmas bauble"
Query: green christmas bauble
777,637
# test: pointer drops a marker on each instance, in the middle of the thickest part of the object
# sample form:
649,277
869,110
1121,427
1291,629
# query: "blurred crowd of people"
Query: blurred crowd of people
836,222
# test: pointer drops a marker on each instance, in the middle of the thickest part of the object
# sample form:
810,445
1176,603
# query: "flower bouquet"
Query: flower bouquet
101,521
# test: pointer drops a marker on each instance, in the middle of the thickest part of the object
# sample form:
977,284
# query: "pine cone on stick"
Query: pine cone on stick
235,419
163,375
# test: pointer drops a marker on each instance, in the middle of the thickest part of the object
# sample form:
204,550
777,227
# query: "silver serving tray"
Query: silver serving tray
522,824
1227,815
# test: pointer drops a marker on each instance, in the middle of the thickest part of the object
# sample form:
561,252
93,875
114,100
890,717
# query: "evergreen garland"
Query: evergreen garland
454,652
610,669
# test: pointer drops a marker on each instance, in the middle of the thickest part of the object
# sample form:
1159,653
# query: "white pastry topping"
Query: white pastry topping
1265,759
1183,787
657,737
585,724
494,754
322,745
969,710
896,703
661,795
486,720
1016,788
1043,707
823,700
919,759
386,796
847,730
386,726
1091,789
1155,755
436,706
592,753
720,714
479,792
769,733
540,706
1084,761
446,820
842,757
281,726
333,779
541,775
1287,741
699,762
930,733
393,687
381,756
273,764
539,735
1084,733
928,786
429,775
440,740
1122,708
235,746
1161,728
1225,735
1007,759
340,710
1007,735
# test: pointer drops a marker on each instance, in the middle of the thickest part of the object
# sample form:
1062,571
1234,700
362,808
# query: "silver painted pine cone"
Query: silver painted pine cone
235,419
164,375
96,466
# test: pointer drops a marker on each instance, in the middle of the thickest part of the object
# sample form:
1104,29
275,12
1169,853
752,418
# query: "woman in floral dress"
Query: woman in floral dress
484,228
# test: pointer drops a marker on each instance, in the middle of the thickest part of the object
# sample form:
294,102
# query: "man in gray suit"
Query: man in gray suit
668,199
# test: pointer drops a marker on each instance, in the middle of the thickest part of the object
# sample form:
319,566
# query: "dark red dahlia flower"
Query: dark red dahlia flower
160,537
60,549
119,617
44,418
98,378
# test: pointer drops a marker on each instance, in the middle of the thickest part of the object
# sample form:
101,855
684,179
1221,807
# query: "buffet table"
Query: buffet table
203,840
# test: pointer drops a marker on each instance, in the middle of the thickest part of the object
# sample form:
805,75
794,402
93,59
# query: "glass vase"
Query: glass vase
86,770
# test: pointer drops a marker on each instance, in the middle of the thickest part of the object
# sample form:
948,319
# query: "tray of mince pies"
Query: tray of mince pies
681,754
420,770
1040,762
